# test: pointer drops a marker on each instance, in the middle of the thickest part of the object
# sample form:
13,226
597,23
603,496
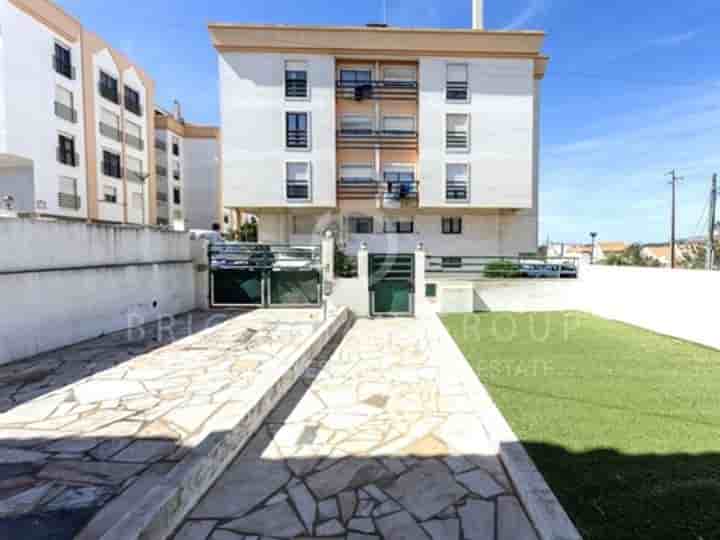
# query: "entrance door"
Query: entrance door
392,285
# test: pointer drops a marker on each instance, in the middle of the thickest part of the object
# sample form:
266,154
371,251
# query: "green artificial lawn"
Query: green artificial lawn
623,423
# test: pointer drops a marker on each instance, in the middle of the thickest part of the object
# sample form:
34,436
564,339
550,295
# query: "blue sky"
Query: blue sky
632,91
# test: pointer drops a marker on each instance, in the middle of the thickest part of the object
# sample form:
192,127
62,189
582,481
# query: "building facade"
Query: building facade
389,136
188,172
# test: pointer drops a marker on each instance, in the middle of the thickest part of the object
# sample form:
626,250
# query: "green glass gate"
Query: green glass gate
236,288
294,287
391,285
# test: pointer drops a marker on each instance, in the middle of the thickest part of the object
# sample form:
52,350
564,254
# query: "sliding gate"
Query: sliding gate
264,275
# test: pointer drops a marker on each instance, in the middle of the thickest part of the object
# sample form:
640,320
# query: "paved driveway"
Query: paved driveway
380,438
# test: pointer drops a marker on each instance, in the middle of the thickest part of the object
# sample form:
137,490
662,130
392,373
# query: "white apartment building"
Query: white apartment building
390,136
74,120
188,172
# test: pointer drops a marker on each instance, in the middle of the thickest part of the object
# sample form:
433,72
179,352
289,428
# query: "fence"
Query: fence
470,268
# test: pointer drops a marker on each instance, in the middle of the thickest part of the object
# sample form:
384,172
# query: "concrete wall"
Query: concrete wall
19,183
43,309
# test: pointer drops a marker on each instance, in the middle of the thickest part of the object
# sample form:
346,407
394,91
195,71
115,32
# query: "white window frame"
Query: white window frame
117,125
307,97
411,69
448,65
466,149
468,176
396,116
361,67
309,180
106,187
129,123
68,91
133,198
308,148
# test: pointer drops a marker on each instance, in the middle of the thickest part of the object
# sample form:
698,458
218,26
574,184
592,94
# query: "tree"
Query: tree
632,256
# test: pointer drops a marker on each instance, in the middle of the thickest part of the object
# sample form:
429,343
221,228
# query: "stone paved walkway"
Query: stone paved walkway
112,416
380,438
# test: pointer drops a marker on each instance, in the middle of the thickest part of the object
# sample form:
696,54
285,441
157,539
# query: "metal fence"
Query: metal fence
502,267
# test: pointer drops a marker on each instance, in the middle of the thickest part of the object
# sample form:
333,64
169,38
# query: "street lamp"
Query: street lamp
593,236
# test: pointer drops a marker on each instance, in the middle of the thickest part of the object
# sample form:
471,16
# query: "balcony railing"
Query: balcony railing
109,93
161,171
111,132
365,138
72,159
69,201
457,91
400,190
358,188
65,112
296,88
160,145
135,142
456,190
393,90
456,139
298,190
63,67
297,138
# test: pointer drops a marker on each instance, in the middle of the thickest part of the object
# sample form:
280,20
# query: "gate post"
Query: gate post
363,266
327,256
419,274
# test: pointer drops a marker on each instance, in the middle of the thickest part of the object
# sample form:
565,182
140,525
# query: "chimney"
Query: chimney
477,15
177,111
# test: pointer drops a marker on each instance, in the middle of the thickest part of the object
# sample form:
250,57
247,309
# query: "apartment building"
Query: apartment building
188,172
74,120
390,136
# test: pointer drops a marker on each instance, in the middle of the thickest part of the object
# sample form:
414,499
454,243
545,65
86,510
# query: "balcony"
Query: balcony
391,90
71,159
63,67
161,171
135,142
109,93
111,132
69,201
358,189
66,113
297,190
391,190
456,140
457,91
456,190
365,138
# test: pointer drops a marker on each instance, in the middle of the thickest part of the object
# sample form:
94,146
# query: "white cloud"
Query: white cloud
526,15
675,39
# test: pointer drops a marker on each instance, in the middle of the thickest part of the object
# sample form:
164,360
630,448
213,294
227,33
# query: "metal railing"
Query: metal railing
456,91
387,138
456,190
245,255
135,142
111,132
503,267
72,159
456,139
297,189
65,112
63,68
297,138
391,90
296,88
69,200
355,188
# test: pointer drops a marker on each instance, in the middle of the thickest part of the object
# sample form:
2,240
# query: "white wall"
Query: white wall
131,78
501,109
252,107
44,310
30,125
201,178
19,183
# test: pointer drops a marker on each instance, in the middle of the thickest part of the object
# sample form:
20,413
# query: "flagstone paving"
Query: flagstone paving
379,439
81,425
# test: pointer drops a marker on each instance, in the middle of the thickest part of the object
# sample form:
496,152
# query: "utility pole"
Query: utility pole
710,250
593,236
673,182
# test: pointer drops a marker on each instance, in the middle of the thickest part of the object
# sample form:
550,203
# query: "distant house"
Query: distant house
662,253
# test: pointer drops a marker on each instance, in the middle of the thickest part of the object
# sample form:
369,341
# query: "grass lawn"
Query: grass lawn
623,423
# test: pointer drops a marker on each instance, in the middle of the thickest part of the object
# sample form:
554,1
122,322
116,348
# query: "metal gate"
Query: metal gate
264,275
392,285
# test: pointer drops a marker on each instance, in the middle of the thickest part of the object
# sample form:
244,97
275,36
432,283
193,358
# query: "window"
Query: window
451,262
66,150
110,125
64,104
399,76
297,130
132,101
133,135
67,193
457,181
62,60
111,164
138,202
176,196
355,77
399,174
68,185
296,80
135,169
357,173
360,225
457,136
108,87
355,124
298,180
175,146
110,194
398,226
457,82
452,225
401,124
176,170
